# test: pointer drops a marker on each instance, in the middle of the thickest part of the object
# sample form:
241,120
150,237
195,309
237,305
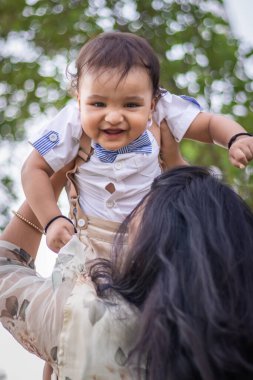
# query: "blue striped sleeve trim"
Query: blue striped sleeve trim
192,100
45,143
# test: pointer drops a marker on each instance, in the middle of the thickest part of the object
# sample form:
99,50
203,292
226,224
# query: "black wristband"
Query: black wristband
233,138
57,217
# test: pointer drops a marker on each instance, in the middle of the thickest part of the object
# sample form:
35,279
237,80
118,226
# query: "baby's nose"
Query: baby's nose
114,117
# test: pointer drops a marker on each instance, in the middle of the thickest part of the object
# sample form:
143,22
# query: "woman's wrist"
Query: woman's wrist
27,221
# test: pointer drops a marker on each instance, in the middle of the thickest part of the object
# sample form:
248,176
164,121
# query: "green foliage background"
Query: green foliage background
198,55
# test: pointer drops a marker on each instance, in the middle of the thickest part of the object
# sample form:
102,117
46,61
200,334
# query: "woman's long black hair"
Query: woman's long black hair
189,269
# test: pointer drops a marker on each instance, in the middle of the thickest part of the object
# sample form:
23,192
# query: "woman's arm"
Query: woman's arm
169,150
47,372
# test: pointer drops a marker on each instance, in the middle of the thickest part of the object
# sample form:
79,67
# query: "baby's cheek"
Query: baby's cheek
88,127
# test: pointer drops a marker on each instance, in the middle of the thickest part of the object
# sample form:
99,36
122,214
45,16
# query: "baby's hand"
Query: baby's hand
59,233
241,152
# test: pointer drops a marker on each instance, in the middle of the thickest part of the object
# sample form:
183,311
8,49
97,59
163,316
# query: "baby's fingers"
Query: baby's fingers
238,158
248,152
237,164
54,244
67,235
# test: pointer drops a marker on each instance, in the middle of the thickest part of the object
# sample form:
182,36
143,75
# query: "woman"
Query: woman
61,319
178,306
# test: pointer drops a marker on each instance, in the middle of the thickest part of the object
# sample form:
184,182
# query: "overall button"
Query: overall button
118,165
53,137
81,222
110,204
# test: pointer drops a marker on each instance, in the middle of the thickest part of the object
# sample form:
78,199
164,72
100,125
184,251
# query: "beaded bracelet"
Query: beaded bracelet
21,217
57,217
233,138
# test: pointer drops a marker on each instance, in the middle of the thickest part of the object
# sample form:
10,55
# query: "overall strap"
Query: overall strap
76,214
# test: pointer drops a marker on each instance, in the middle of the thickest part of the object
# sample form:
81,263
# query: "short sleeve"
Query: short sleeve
58,141
178,111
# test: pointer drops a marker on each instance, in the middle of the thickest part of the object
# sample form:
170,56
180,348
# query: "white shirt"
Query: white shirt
131,173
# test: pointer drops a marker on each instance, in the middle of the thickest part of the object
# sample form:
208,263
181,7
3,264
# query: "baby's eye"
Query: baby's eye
132,105
99,104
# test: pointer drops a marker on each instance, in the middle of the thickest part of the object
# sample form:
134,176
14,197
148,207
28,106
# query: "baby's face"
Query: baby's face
115,112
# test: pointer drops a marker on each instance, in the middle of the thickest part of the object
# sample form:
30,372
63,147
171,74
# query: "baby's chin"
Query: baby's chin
114,141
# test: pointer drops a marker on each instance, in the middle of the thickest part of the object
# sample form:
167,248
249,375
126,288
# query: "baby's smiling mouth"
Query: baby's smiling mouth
113,131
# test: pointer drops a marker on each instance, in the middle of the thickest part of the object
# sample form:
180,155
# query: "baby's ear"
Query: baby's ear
153,104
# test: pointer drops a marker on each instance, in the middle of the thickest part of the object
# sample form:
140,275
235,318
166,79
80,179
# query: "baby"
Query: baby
118,101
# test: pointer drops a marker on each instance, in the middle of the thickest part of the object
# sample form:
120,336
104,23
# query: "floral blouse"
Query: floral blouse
63,321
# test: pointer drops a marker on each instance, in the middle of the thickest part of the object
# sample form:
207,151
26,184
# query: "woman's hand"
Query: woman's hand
169,150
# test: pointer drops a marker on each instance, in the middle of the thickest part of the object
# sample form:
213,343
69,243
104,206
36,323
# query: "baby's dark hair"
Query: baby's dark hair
121,51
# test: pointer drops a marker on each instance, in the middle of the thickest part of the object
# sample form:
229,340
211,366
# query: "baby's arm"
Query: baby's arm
39,192
184,118
210,128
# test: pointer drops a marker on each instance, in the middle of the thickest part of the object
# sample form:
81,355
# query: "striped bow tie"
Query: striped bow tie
140,145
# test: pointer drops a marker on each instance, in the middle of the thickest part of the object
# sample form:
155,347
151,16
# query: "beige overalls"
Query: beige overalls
97,232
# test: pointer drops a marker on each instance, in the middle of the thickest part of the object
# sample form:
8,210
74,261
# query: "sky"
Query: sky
15,362
240,16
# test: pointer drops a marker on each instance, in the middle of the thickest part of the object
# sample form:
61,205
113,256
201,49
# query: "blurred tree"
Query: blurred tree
198,55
